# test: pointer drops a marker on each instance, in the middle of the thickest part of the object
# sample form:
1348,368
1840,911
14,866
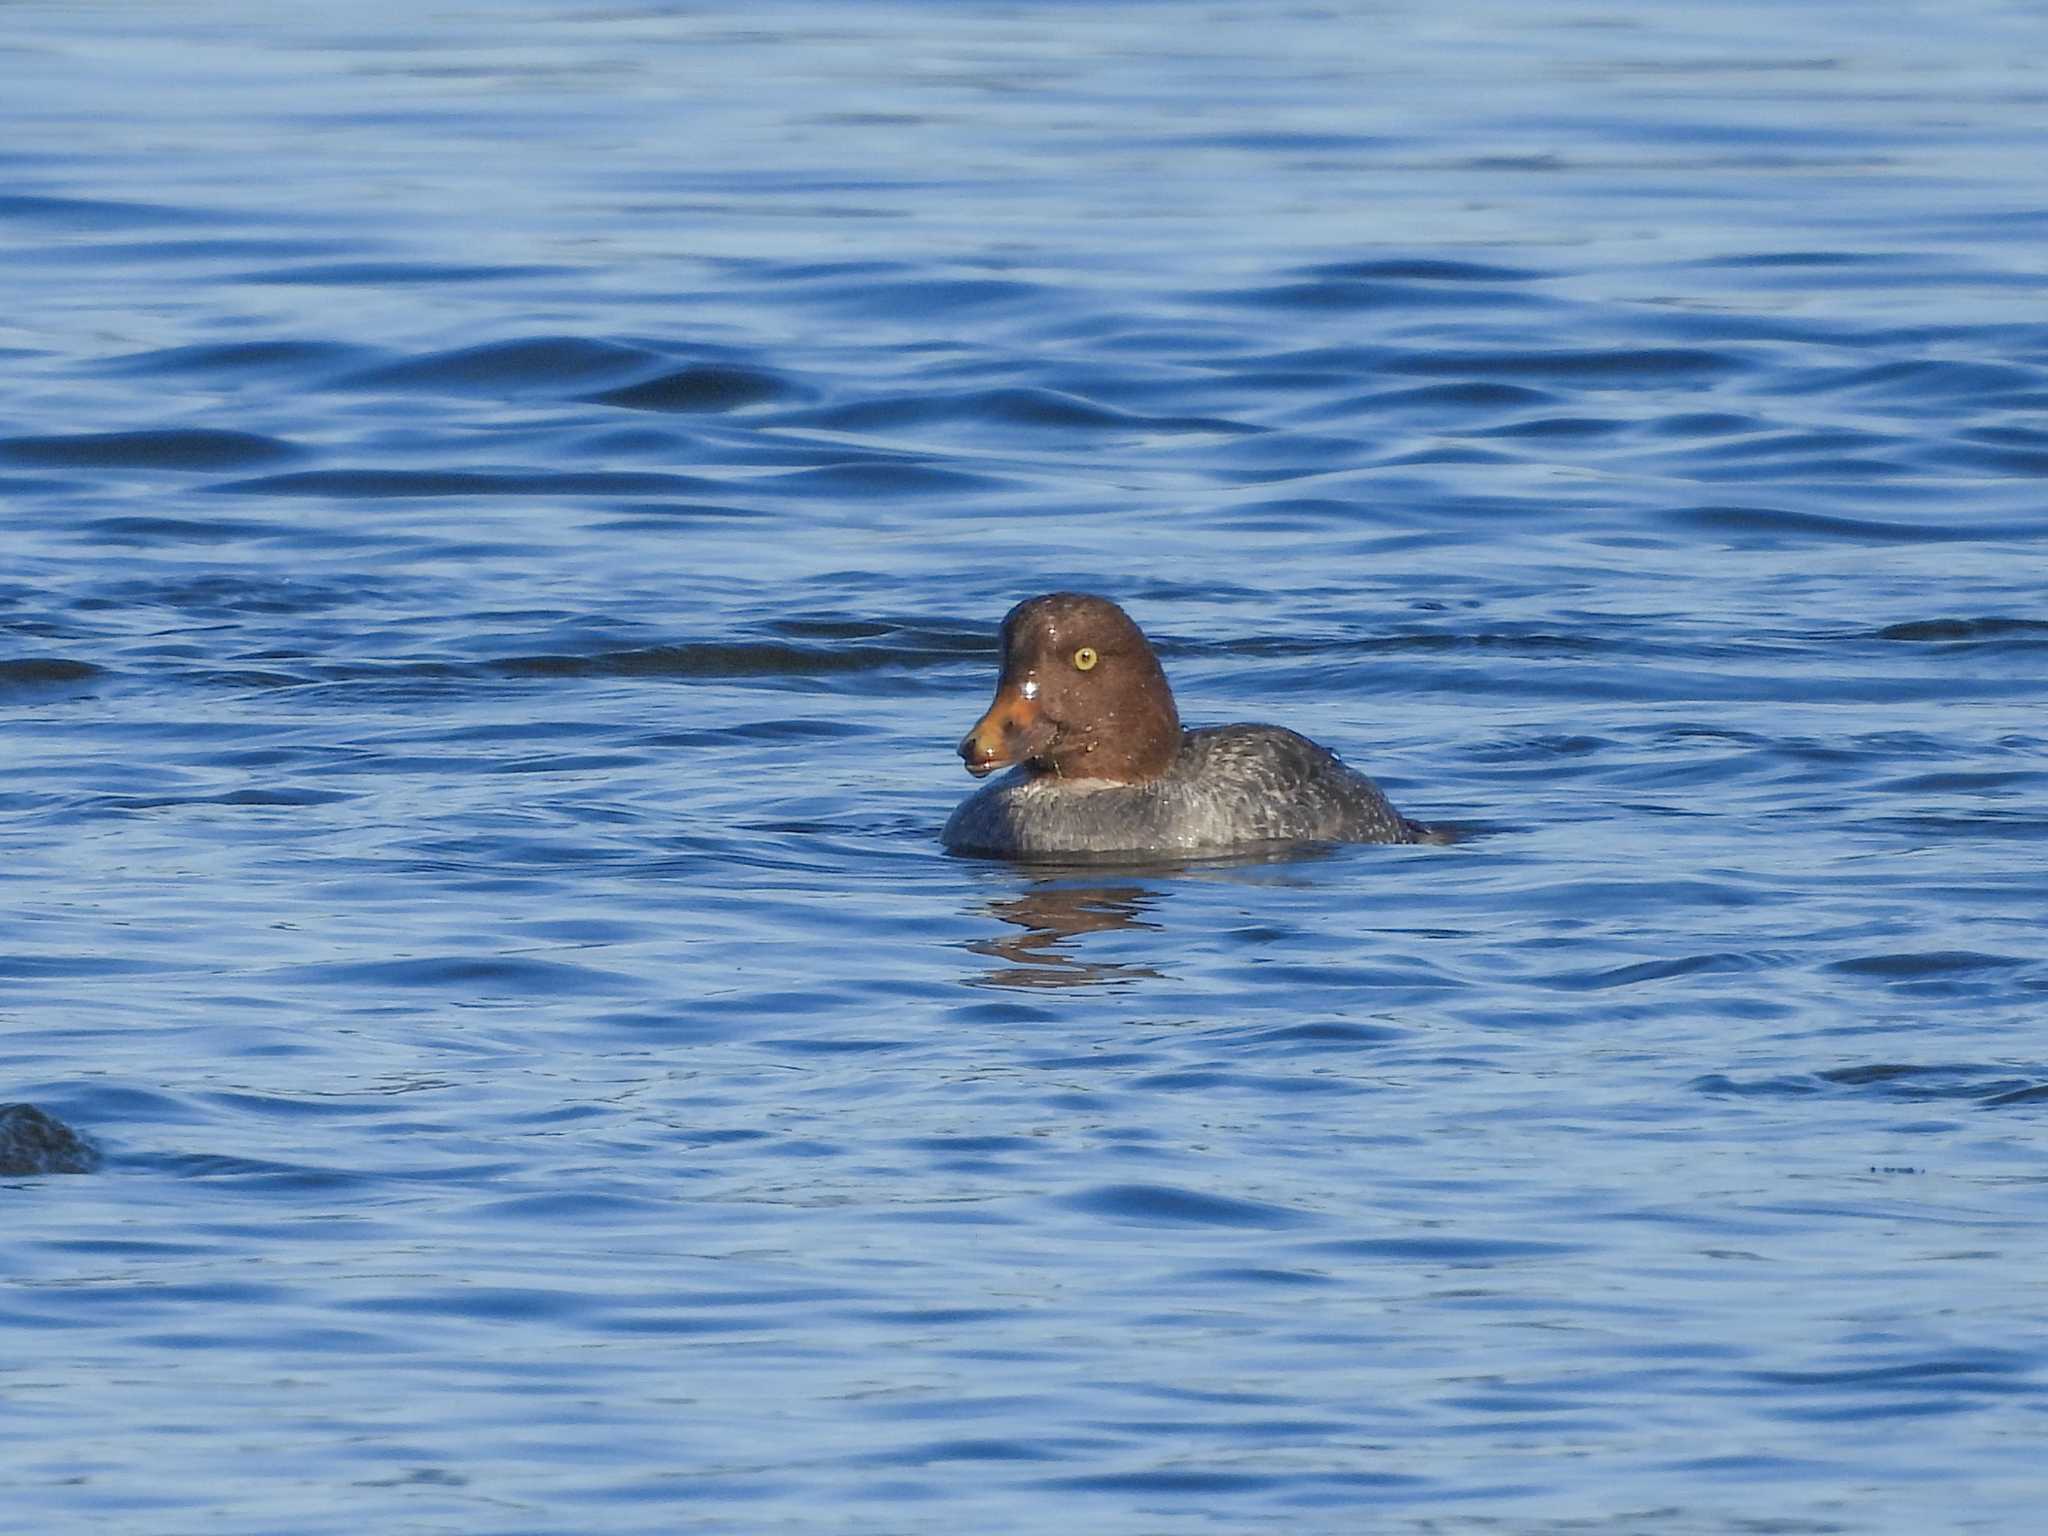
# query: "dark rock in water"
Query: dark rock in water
33,1142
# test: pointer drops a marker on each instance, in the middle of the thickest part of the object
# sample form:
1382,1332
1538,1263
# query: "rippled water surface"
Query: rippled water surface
506,511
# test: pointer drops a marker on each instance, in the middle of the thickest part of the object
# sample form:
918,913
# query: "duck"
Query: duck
1098,764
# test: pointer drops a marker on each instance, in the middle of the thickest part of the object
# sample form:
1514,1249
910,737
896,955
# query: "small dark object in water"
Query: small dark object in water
32,1142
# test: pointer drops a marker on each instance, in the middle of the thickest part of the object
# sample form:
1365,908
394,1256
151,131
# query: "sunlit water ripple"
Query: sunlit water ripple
506,513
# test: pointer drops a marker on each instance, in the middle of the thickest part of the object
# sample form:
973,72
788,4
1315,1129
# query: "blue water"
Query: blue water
506,511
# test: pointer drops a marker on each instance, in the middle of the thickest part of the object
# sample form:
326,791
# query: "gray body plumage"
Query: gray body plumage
1228,787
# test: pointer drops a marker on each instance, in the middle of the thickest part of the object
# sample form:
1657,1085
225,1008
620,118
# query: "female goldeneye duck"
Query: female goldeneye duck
1084,719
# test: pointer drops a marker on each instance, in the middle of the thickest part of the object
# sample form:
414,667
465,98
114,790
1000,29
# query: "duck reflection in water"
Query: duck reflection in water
1054,914
1057,909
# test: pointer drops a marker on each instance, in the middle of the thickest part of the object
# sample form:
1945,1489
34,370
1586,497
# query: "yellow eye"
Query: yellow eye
1085,658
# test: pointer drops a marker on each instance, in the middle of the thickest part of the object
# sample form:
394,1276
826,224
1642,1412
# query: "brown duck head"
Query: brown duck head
1081,696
